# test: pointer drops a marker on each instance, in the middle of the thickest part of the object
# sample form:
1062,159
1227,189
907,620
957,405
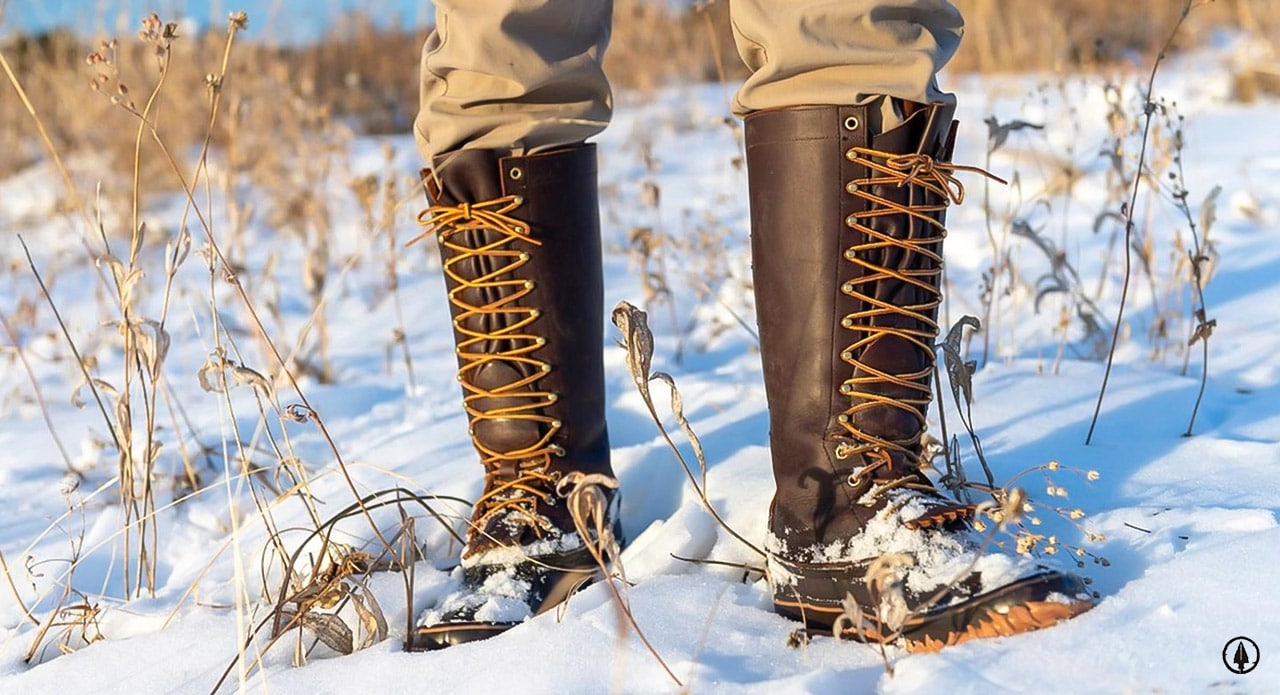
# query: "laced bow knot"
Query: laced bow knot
488,214
920,169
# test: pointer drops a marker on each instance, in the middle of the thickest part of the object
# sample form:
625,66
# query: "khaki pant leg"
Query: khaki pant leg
843,51
516,75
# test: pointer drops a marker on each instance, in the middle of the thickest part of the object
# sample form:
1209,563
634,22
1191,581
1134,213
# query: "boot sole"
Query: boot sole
1022,606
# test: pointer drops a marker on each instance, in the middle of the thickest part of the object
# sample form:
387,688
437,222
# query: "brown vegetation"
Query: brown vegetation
364,75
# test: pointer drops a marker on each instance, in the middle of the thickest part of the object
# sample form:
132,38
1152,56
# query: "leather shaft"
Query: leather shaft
559,205
798,171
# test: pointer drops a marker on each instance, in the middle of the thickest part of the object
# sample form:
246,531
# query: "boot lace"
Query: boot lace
938,178
514,480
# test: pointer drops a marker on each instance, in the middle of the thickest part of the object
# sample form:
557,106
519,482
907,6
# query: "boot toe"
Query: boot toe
450,634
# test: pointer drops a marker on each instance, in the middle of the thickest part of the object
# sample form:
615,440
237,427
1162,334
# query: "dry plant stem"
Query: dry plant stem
638,342
66,592
736,316
993,295
217,255
274,618
620,602
76,201
1202,327
70,343
39,396
17,596
80,507
1149,108
133,355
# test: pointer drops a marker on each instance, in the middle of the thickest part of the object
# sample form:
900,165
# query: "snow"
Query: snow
1187,524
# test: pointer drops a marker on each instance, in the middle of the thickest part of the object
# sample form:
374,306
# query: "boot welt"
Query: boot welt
1015,608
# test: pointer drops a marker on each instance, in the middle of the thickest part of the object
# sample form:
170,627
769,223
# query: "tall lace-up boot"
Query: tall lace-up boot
847,229
519,239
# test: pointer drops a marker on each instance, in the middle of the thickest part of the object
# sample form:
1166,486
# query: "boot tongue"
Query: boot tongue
502,434
894,356
467,175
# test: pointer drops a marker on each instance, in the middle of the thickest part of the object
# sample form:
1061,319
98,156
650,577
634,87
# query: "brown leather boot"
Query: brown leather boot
847,229
519,240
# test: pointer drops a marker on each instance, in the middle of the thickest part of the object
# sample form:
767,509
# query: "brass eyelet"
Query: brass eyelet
851,187
516,173
852,123
851,155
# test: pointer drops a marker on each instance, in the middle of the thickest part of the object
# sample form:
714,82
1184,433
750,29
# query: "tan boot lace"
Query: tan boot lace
515,479
899,170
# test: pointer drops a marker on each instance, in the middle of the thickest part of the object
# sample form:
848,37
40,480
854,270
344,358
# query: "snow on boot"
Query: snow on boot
847,230
519,239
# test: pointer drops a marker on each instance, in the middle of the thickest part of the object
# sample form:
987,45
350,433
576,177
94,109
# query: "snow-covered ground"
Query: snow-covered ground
1187,524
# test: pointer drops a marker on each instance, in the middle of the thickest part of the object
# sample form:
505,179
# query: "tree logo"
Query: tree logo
1240,655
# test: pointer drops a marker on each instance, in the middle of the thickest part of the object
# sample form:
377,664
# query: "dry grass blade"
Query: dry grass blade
12,335
1149,110
960,375
588,504
638,343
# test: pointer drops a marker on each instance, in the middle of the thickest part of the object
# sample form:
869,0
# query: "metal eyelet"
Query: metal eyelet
842,452
851,155
851,221
850,255
846,322
851,187
516,173
852,123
